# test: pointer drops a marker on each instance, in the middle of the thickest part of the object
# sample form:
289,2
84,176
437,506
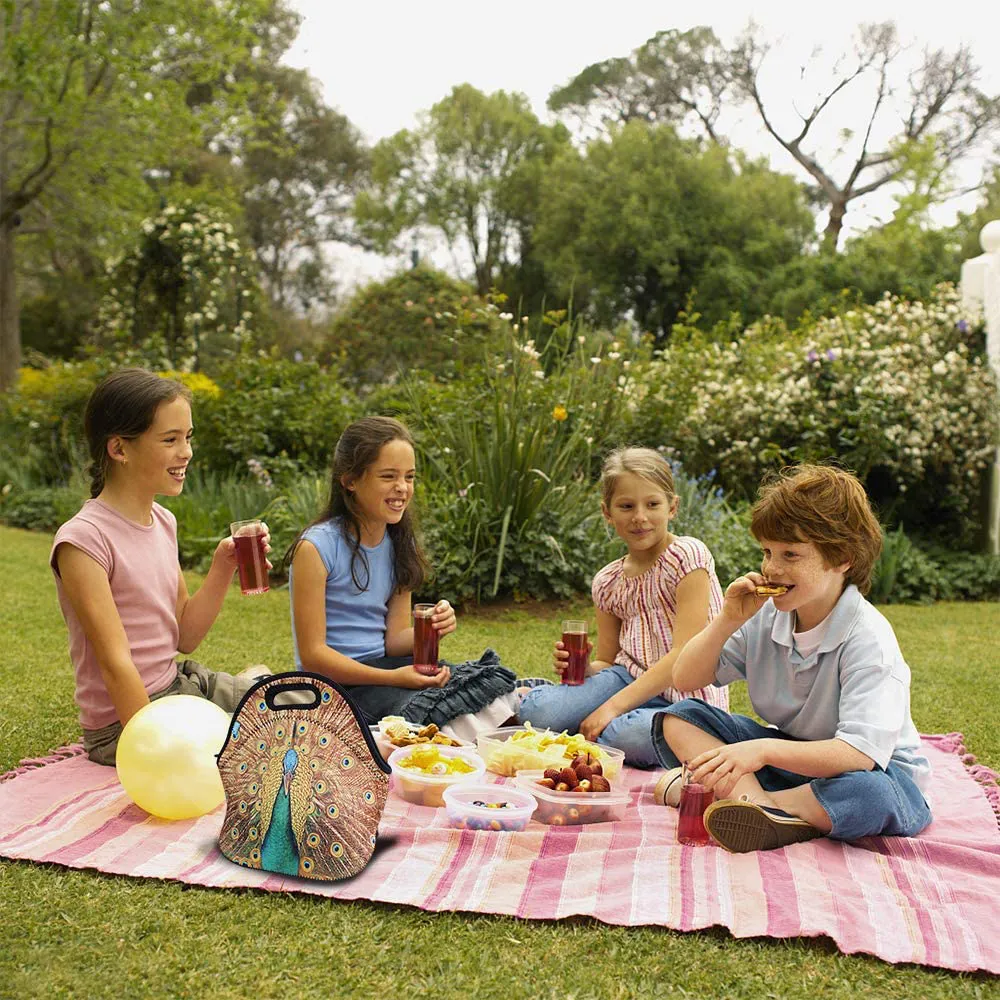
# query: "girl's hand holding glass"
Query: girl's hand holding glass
410,677
443,619
226,549
560,658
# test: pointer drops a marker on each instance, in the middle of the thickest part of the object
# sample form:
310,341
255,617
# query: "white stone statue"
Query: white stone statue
981,290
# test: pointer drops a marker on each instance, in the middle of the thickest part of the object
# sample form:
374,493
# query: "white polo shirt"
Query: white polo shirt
854,687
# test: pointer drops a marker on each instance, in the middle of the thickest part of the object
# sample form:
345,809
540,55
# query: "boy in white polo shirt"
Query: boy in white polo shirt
840,756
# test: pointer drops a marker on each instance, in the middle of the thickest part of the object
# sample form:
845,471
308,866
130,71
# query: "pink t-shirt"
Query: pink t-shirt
143,569
646,605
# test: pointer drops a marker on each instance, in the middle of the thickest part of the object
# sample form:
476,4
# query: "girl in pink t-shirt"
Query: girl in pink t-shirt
648,604
118,578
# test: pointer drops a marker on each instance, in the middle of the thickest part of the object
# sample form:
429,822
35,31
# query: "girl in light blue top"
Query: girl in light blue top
352,574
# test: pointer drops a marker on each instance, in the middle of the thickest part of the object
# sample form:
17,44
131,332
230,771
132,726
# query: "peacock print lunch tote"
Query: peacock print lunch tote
305,782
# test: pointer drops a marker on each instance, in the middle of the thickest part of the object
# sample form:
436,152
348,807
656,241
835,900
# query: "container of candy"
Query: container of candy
512,749
421,773
488,807
572,808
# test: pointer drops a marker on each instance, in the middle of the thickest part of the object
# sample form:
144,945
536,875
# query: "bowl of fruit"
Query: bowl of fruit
576,793
512,749
422,772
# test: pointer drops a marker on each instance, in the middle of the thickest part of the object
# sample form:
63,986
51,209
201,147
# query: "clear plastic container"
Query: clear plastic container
508,759
428,789
388,747
572,808
477,807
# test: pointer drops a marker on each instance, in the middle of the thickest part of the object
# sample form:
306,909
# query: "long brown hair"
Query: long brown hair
123,404
356,451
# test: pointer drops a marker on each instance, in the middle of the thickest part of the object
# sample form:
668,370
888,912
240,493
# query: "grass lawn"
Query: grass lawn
67,933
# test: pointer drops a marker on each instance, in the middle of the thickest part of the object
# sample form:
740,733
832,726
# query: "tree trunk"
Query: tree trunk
831,235
10,325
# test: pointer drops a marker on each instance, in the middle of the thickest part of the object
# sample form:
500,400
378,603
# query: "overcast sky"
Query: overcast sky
381,64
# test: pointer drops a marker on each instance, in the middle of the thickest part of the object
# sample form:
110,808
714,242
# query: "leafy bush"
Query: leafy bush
893,391
276,415
420,318
41,423
259,412
511,465
204,511
911,571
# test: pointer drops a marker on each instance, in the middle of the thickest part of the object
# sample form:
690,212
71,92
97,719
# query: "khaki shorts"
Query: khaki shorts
192,678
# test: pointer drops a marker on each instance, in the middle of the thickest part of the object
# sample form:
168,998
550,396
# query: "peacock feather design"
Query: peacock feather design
304,792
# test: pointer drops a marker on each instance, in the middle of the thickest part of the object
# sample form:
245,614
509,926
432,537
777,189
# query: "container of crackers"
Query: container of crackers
393,732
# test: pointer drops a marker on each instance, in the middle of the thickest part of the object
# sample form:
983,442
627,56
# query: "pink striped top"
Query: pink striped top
646,605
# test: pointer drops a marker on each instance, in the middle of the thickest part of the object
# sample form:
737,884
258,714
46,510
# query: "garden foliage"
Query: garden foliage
420,318
899,392
510,438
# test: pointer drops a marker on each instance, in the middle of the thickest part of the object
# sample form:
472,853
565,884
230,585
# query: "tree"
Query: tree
673,77
944,110
301,163
468,172
92,92
687,78
651,224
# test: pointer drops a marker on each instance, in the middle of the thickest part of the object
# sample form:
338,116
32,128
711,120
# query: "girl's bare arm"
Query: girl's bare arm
89,592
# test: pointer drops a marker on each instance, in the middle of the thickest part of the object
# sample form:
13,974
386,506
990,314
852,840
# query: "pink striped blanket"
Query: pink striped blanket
933,899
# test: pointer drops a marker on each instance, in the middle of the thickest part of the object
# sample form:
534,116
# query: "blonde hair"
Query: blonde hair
642,462
827,507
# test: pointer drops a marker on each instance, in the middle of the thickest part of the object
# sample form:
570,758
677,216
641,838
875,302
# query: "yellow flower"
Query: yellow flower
559,413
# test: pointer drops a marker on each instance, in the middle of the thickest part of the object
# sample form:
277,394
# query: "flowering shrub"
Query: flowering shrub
186,291
893,391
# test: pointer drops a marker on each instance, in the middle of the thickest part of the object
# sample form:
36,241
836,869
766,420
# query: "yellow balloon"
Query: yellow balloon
166,756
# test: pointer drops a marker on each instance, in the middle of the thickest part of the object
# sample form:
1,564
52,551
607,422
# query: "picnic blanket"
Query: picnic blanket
932,899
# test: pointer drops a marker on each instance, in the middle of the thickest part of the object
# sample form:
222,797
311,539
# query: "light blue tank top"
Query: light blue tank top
355,619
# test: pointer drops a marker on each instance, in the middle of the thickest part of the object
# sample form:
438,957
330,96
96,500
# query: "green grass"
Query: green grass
70,933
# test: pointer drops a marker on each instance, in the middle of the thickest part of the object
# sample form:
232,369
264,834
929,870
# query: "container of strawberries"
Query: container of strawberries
574,794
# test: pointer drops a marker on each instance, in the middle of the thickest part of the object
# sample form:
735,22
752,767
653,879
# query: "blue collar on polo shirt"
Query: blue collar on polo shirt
841,619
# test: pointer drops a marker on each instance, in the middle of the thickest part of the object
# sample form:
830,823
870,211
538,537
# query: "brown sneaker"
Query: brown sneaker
668,788
741,826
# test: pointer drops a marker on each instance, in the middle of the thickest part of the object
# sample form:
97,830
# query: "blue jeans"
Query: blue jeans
859,803
563,706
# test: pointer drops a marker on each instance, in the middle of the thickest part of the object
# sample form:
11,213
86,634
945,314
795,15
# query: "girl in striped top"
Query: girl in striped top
648,604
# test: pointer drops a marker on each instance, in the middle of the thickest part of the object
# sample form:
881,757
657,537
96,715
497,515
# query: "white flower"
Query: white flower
595,361
539,374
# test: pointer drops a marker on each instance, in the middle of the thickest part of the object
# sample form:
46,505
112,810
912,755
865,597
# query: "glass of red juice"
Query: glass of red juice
425,641
251,559
574,638
695,799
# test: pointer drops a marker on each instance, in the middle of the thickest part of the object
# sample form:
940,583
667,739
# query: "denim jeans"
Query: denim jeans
859,803
564,706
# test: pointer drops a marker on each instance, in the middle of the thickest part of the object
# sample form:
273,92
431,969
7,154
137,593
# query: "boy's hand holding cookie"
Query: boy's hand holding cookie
746,595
